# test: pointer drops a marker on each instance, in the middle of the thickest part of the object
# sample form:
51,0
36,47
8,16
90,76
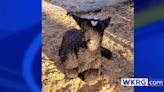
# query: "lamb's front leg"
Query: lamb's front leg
72,73
71,65
92,75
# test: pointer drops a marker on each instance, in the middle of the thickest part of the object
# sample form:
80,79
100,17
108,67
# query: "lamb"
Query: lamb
81,50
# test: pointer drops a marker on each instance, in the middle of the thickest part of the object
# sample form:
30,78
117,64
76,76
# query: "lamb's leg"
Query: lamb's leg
91,76
106,53
71,65
71,73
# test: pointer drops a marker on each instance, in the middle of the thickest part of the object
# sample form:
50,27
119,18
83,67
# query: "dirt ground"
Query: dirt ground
118,38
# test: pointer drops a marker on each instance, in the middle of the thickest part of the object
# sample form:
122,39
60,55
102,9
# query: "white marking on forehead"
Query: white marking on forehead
92,18
94,23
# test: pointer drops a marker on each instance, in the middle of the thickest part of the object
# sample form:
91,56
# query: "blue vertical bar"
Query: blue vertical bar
20,34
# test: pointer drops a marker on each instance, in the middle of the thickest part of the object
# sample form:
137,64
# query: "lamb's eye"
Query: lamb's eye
84,30
88,40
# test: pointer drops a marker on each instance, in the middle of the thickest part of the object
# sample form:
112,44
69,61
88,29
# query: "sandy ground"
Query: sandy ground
118,38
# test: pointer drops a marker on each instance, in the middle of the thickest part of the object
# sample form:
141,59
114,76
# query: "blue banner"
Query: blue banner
148,43
20,46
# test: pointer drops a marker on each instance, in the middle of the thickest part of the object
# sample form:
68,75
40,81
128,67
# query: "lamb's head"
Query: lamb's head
92,30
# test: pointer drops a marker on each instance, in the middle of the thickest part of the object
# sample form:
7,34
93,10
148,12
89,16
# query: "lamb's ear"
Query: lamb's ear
106,22
79,20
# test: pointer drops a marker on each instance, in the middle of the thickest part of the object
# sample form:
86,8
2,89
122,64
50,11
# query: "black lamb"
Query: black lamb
81,50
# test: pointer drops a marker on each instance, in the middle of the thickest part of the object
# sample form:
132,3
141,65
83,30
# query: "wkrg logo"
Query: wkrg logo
134,81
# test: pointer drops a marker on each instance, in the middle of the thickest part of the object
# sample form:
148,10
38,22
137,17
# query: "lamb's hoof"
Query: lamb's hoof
106,53
71,73
91,76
